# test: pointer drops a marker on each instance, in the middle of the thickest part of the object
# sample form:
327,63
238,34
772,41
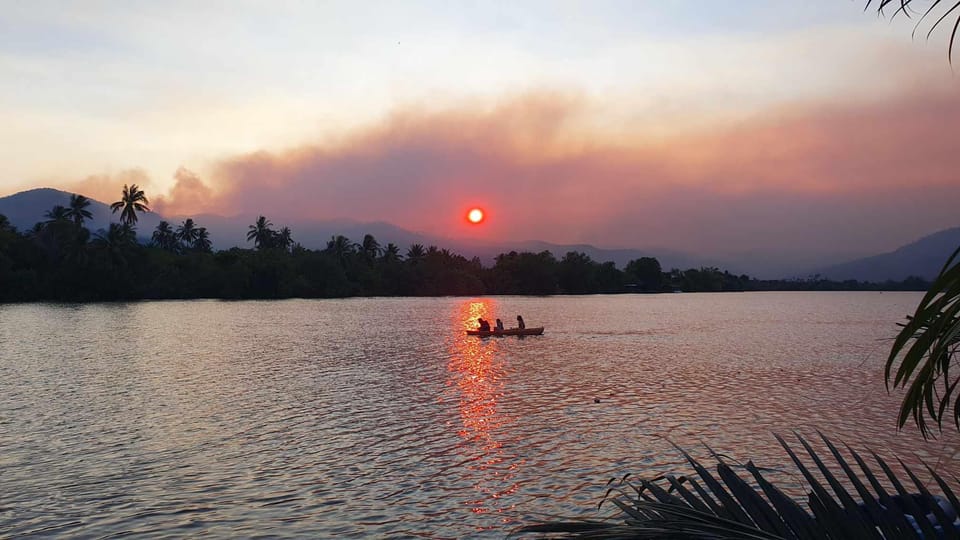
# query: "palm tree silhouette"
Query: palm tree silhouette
284,238
261,233
78,210
202,241
164,237
391,253
133,200
116,241
340,246
187,234
416,251
370,247
57,214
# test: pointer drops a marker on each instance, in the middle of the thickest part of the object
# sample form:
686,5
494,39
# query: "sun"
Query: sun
475,215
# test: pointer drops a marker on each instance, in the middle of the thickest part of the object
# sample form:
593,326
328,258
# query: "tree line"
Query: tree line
59,259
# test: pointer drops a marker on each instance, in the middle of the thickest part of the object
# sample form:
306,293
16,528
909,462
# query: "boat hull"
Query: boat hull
536,331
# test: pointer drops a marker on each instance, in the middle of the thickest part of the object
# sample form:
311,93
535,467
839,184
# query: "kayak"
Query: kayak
507,332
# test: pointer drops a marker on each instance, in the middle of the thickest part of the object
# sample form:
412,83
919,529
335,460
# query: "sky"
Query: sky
812,127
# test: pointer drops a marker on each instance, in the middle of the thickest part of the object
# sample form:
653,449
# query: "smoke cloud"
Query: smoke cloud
812,178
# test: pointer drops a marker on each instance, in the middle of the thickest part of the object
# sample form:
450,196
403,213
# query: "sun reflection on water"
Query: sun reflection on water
477,374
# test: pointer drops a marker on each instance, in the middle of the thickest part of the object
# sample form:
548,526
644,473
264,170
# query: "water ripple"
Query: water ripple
321,418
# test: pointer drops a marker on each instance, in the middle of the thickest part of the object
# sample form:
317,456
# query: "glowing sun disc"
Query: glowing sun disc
475,215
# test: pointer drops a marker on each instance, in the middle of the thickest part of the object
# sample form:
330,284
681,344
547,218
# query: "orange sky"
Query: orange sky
809,176
804,127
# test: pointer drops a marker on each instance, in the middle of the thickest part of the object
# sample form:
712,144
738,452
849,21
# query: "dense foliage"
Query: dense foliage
60,260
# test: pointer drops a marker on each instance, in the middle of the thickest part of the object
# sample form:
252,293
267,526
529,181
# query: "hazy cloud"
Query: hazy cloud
188,196
108,187
864,177
803,180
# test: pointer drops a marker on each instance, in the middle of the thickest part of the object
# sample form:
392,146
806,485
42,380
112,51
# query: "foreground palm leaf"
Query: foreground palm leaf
924,351
859,503
936,11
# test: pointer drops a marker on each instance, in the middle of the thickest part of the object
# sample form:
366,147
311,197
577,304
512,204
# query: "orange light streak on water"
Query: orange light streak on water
477,372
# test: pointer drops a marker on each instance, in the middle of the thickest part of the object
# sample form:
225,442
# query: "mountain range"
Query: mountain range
923,257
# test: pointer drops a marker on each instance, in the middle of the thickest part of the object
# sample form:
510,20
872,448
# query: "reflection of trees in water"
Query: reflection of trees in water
476,373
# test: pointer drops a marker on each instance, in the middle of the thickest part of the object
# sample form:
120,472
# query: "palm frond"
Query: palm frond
842,502
923,353
936,7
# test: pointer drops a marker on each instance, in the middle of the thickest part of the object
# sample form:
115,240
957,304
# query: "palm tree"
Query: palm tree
164,237
391,253
370,247
202,242
261,233
5,224
284,238
187,233
133,200
57,214
340,246
56,235
78,209
416,251
924,351
116,241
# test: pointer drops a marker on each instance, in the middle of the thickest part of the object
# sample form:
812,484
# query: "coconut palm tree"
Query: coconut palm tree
202,242
78,210
187,233
370,247
132,201
284,238
55,236
340,246
164,237
416,252
116,241
391,253
57,214
261,233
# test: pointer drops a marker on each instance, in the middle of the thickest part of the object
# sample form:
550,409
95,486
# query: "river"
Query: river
380,417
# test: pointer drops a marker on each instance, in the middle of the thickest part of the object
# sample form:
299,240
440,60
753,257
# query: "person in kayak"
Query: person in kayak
520,322
499,325
484,325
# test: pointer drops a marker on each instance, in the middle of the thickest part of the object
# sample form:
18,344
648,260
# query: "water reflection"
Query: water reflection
320,419
477,373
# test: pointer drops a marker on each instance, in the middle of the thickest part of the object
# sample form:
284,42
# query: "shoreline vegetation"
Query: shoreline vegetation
61,260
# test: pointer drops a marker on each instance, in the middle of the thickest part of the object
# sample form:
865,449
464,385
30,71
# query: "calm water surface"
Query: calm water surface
379,417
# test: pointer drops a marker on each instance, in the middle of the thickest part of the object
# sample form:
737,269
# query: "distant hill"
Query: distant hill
226,232
27,208
923,258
